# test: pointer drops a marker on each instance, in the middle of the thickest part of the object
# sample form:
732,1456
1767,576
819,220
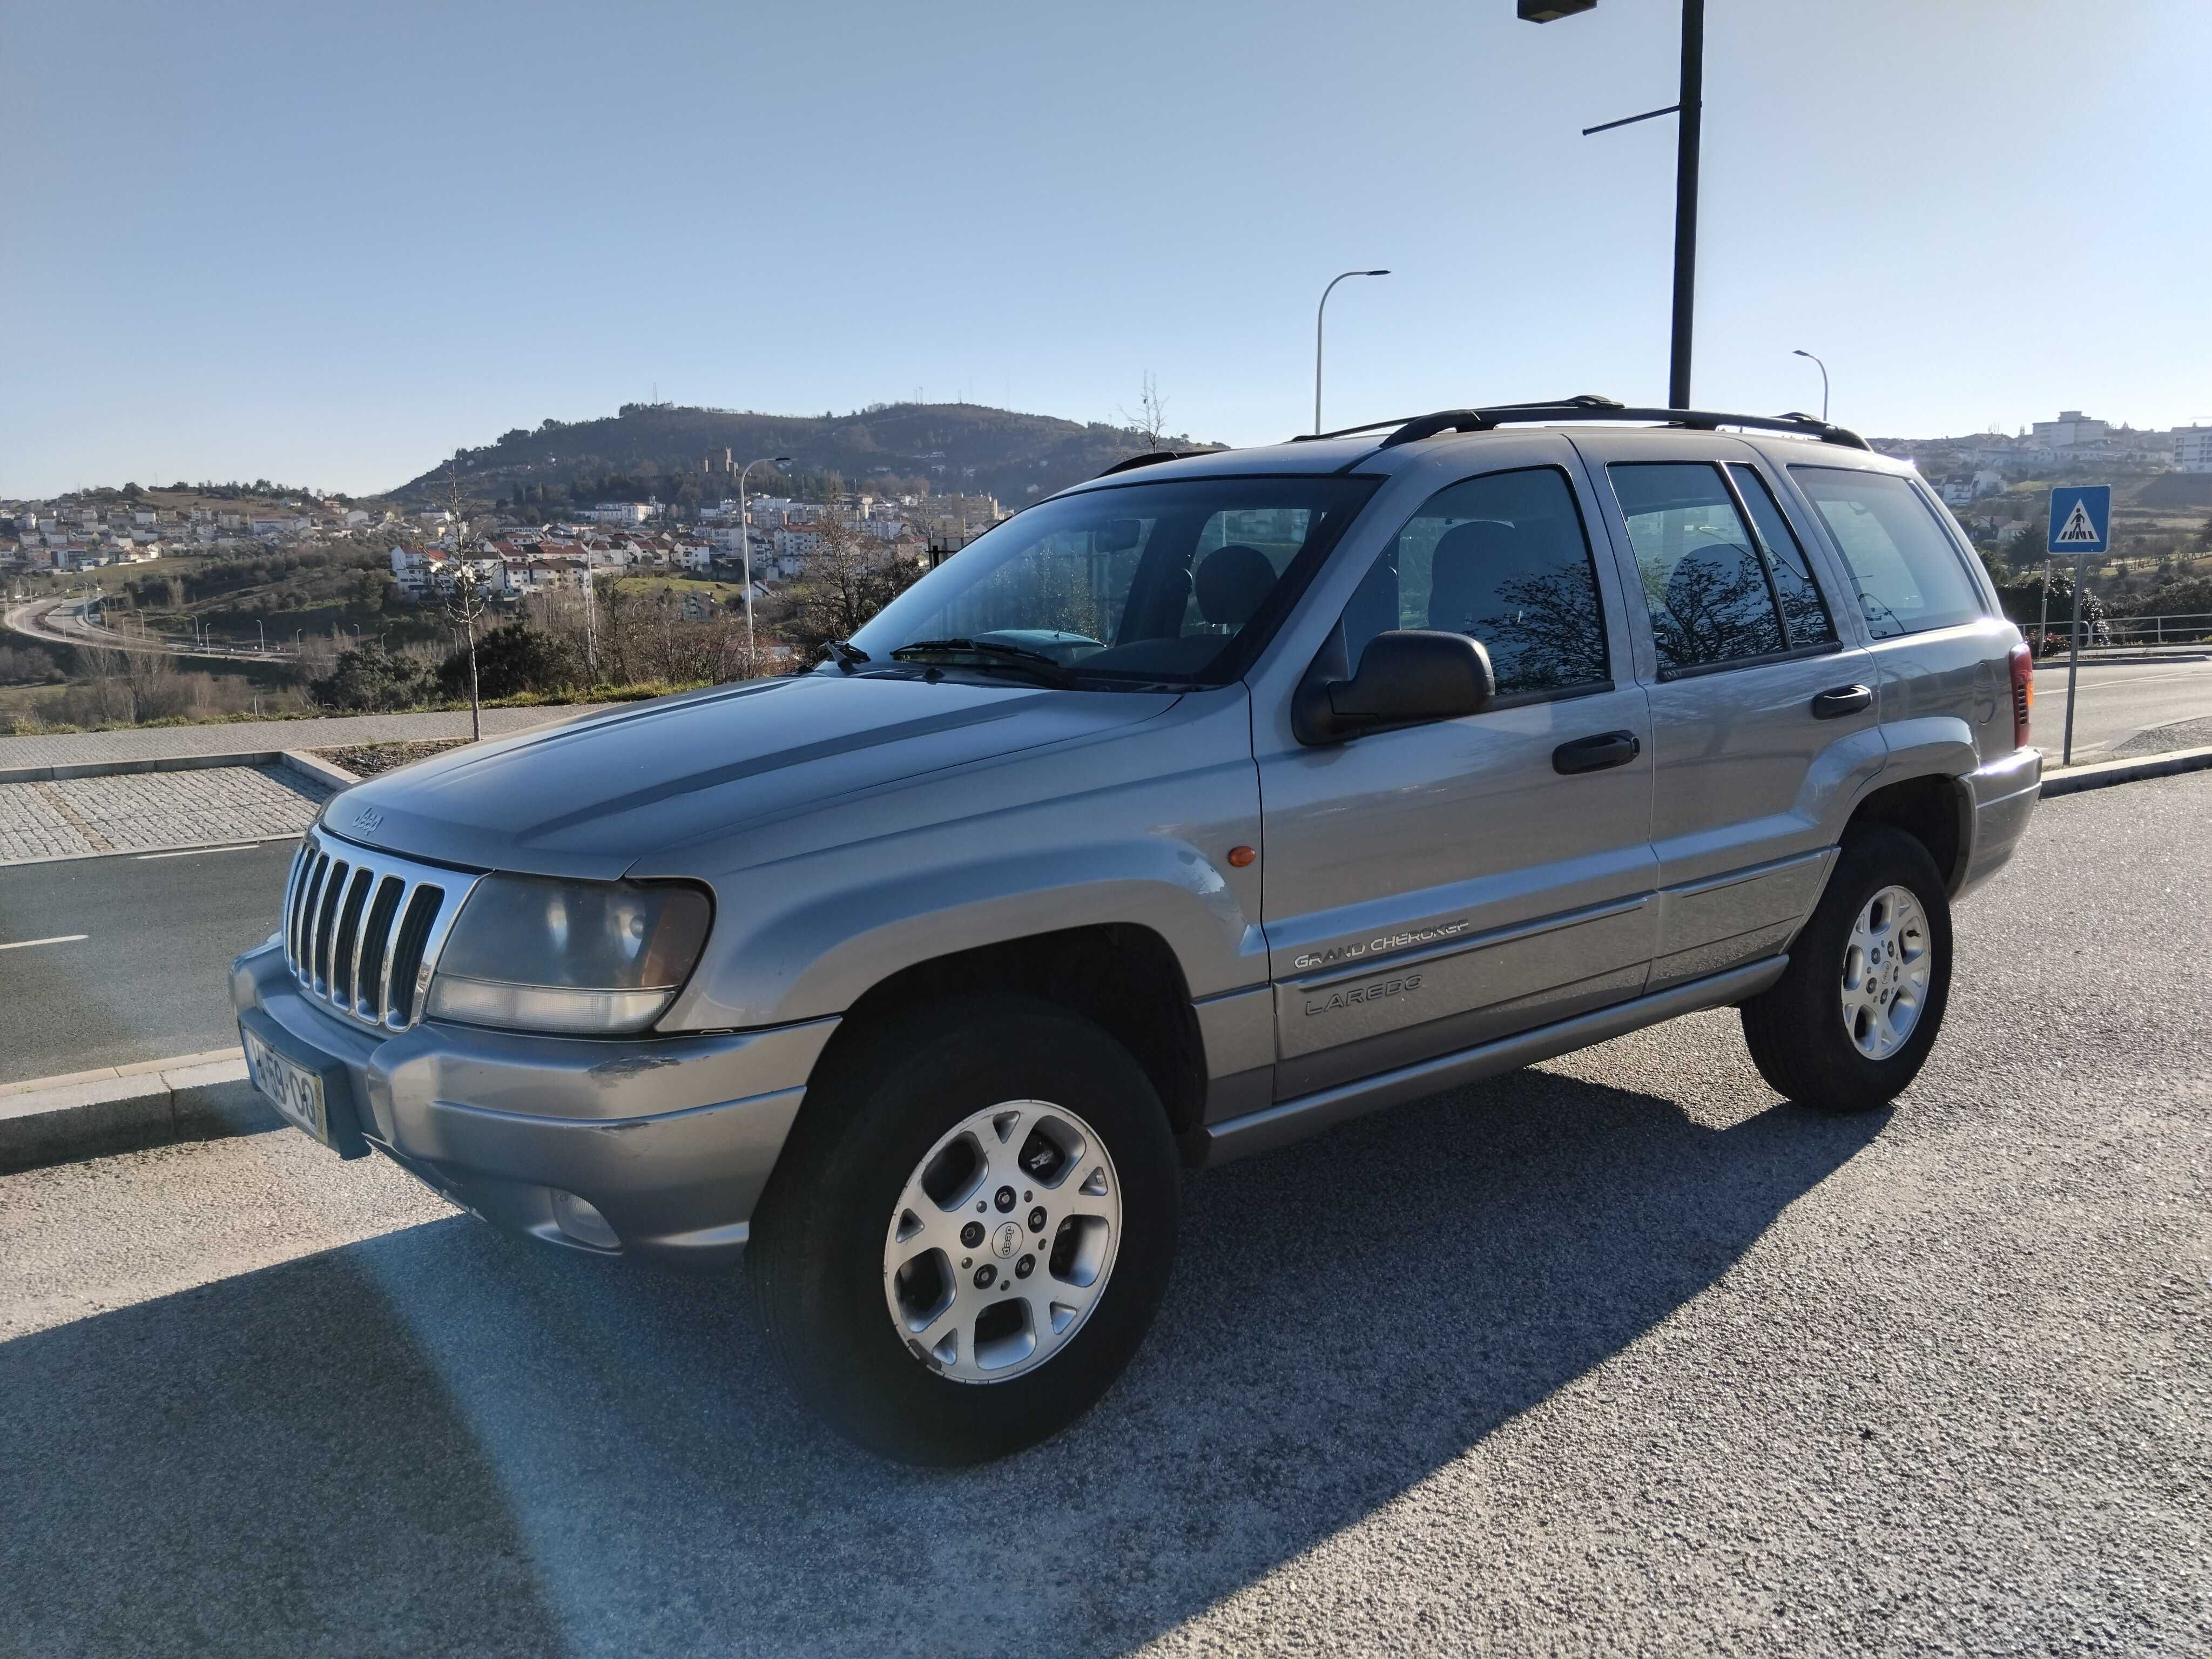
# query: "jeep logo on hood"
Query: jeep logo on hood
368,819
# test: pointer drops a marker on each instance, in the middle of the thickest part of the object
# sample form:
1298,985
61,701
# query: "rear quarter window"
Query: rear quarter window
1909,574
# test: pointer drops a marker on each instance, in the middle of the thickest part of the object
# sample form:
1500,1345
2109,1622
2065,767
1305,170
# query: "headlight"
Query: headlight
593,957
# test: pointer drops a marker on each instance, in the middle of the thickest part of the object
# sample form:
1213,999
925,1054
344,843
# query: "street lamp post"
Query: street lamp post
1823,367
746,541
1320,312
1689,131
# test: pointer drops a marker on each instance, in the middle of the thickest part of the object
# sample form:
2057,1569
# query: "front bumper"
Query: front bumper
670,1139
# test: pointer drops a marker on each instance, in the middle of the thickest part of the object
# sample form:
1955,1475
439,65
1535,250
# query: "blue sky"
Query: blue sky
329,243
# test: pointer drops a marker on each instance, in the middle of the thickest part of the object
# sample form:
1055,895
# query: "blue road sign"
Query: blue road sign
2080,518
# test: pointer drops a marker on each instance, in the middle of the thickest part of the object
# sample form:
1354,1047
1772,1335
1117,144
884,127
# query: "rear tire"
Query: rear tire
868,1287
1848,1025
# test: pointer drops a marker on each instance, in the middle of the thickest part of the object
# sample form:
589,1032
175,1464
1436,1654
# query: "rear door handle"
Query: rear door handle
1595,754
1842,700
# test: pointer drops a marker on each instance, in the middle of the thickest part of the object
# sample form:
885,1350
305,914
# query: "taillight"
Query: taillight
2023,692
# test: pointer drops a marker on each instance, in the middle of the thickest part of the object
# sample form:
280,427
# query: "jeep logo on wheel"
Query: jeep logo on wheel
1006,1240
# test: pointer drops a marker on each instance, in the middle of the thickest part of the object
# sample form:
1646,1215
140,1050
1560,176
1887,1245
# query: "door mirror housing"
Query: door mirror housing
1407,676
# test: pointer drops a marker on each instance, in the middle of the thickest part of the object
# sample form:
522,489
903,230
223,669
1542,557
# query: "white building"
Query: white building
2192,448
2070,429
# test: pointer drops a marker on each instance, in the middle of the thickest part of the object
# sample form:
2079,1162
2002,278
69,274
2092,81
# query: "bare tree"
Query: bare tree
843,583
1150,422
467,604
104,670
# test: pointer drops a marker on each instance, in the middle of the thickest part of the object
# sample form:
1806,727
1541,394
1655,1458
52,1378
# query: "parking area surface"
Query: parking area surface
1615,1355
141,812
111,961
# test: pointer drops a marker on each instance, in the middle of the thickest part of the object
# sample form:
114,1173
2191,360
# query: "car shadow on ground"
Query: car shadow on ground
443,1441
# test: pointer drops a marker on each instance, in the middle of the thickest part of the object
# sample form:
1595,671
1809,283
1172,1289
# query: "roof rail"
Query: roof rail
1587,402
1591,408
1152,458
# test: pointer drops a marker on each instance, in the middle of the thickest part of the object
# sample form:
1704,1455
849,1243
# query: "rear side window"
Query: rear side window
1704,582
1504,559
1804,613
1909,575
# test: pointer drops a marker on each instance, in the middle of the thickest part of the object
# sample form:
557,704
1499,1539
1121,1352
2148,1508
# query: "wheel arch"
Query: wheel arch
1936,809
1122,976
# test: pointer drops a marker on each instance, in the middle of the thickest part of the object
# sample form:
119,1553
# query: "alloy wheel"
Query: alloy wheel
1886,966
1002,1240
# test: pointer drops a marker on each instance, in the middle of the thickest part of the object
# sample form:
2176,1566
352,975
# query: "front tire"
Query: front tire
1848,1025
927,1329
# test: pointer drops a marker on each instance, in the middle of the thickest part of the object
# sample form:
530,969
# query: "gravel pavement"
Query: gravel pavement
1616,1355
138,812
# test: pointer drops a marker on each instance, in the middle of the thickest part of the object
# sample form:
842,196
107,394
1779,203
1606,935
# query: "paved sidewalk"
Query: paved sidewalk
140,811
250,737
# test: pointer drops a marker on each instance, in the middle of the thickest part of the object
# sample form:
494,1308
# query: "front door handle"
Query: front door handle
1595,754
1842,700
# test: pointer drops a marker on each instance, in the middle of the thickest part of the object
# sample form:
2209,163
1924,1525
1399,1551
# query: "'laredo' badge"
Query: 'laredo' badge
1358,994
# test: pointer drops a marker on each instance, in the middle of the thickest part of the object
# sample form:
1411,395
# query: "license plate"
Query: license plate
293,1090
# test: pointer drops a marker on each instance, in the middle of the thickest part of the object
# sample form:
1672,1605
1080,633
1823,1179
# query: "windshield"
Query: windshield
1144,583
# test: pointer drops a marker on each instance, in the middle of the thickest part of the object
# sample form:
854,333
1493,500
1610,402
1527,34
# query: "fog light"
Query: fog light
577,1217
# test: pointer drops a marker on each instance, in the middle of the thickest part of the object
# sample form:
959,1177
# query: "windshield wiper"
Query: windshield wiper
849,656
995,654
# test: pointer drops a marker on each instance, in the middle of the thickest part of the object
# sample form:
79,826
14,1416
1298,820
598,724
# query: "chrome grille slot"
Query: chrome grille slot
345,943
371,991
409,961
303,918
362,930
326,920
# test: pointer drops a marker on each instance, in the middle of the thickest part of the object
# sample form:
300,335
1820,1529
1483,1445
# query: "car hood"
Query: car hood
591,798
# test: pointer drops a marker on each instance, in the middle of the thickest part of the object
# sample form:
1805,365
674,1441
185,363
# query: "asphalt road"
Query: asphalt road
62,621
1614,1355
149,979
2118,701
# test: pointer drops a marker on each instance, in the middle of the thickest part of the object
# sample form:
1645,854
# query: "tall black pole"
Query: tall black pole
1685,200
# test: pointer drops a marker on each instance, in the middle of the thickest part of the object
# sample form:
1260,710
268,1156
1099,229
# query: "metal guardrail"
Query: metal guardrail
2185,627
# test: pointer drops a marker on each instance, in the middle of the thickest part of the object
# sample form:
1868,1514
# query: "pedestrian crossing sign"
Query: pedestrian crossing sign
2080,518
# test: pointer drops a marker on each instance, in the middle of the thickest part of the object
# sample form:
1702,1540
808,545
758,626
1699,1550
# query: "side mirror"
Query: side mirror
1407,676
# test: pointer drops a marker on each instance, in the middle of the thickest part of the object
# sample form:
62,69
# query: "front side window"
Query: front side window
1176,583
1706,587
1910,577
1504,559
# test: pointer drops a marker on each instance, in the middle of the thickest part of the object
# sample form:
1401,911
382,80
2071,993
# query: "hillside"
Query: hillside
659,448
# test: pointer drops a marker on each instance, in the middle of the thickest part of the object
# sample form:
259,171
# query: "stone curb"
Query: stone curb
189,1097
2073,779
295,760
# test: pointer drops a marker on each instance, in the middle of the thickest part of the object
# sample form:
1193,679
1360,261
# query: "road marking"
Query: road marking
59,939
193,852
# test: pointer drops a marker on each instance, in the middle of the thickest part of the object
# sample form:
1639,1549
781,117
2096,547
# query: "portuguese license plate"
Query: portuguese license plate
293,1090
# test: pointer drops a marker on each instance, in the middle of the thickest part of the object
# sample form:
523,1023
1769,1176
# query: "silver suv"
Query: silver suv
1192,810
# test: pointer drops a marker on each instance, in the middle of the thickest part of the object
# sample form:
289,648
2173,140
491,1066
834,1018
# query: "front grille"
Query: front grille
362,930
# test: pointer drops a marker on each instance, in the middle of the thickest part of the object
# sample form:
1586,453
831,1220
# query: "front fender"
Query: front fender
1134,829
819,954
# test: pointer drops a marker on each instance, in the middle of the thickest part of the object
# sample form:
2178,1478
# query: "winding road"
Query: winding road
63,622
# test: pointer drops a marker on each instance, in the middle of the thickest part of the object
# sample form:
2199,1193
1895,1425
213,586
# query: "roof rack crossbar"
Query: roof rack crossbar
1588,408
